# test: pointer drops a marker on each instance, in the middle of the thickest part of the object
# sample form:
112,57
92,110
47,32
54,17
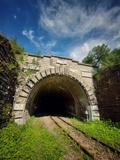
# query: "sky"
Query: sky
68,28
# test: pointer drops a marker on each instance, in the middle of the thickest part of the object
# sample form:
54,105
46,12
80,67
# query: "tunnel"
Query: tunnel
53,100
58,95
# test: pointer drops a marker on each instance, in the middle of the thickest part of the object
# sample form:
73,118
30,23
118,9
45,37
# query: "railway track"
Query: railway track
104,144
90,146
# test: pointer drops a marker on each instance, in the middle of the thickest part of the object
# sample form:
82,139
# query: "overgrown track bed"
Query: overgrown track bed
90,146
104,144
85,152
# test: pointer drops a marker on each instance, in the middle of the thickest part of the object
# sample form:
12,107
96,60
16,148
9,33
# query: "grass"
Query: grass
29,142
72,150
33,142
105,131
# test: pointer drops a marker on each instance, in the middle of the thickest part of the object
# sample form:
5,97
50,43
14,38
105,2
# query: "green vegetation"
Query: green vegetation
97,55
28,142
12,59
33,142
21,58
102,58
105,131
37,54
16,48
18,52
6,114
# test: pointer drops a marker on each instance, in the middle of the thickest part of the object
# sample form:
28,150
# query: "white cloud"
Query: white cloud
40,38
30,35
79,52
51,44
117,36
38,41
65,20
118,46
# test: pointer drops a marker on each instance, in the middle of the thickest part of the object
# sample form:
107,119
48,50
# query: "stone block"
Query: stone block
86,74
38,76
18,114
87,88
61,61
26,89
61,70
66,71
48,72
19,99
30,84
23,94
43,74
52,70
57,70
19,121
19,106
34,79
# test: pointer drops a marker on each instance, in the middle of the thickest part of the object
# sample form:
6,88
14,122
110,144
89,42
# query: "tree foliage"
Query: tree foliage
116,55
97,55
102,57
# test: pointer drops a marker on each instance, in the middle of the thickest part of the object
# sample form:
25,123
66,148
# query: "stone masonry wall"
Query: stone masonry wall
108,94
8,78
46,66
45,62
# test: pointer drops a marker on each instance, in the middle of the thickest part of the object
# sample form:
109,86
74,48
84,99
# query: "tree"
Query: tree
116,55
103,58
97,56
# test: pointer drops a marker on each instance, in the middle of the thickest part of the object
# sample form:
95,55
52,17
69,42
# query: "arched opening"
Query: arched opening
53,100
58,95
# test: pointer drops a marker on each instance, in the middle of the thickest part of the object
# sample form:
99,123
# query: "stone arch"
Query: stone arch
25,96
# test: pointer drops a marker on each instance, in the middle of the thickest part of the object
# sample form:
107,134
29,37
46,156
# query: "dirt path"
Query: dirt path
73,151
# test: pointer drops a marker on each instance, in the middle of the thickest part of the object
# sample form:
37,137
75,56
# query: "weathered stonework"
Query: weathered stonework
65,76
108,93
8,79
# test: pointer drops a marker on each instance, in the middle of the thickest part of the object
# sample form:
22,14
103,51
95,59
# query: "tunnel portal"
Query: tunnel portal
58,95
57,86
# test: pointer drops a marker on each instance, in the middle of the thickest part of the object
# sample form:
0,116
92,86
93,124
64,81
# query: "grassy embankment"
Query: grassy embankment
33,142
105,131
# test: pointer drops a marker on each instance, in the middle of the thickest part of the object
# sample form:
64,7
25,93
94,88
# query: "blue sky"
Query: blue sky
69,28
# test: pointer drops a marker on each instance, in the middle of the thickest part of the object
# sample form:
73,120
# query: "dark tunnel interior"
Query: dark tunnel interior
55,101
50,103
56,96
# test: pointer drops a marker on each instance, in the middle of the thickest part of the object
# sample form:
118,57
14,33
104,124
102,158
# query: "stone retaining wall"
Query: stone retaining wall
8,78
108,94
